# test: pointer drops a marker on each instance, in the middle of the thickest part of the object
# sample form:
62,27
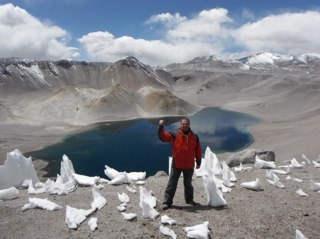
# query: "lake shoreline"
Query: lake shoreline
113,144
265,135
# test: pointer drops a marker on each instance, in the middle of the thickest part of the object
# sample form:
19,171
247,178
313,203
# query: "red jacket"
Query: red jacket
185,148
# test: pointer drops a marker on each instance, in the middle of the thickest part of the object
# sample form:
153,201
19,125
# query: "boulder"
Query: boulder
248,156
160,174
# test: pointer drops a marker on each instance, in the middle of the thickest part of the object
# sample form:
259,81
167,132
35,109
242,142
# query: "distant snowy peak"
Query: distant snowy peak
267,58
261,62
305,58
266,62
208,62
262,58
205,59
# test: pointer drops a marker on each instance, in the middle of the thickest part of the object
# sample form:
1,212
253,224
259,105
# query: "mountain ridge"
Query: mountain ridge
80,93
261,62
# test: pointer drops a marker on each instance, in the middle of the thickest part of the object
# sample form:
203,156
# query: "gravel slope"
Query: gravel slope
270,213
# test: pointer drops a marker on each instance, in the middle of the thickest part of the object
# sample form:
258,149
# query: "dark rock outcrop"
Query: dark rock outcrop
248,156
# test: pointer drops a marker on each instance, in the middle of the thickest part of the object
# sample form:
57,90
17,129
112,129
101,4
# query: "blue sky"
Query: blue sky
157,32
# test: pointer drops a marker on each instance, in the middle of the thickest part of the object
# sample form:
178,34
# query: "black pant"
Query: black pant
173,182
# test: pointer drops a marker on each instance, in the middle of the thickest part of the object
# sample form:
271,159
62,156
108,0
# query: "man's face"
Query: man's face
184,124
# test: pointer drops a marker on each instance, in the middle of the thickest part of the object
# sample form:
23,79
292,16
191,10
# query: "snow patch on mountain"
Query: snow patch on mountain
264,58
261,62
305,58
35,73
276,60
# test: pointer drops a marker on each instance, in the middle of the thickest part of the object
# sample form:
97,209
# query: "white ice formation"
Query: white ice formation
242,168
137,176
19,171
228,176
111,172
299,235
98,200
117,177
8,194
85,180
298,180
123,198
121,208
274,180
93,223
213,193
140,182
316,164
259,163
253,185
199,231
315,186
167,232
212,163
65,182
280,171
301,193
122,178
295,164
147,204
74,216
131,189
41,203
16,170
167,220
210,170
129,216
306,159
37,189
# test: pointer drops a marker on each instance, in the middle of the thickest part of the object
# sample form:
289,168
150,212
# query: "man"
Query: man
186,150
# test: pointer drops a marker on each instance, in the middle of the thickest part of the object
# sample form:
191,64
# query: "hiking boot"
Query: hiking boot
192,203
165,206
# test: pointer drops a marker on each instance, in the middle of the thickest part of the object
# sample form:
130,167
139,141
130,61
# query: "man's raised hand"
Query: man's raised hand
161,122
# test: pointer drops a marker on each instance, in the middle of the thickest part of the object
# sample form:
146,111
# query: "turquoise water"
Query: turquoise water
133,145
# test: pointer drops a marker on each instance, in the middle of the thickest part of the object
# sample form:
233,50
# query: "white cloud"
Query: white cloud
184,40
290,33
208,24
22,35
166,18
103,46
209,32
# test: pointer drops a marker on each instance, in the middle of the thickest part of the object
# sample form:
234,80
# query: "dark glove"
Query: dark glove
198,162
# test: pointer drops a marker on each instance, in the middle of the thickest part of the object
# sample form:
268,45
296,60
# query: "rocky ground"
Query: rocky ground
269,213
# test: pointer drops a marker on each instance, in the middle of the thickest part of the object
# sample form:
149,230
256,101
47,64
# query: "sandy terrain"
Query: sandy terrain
287,134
